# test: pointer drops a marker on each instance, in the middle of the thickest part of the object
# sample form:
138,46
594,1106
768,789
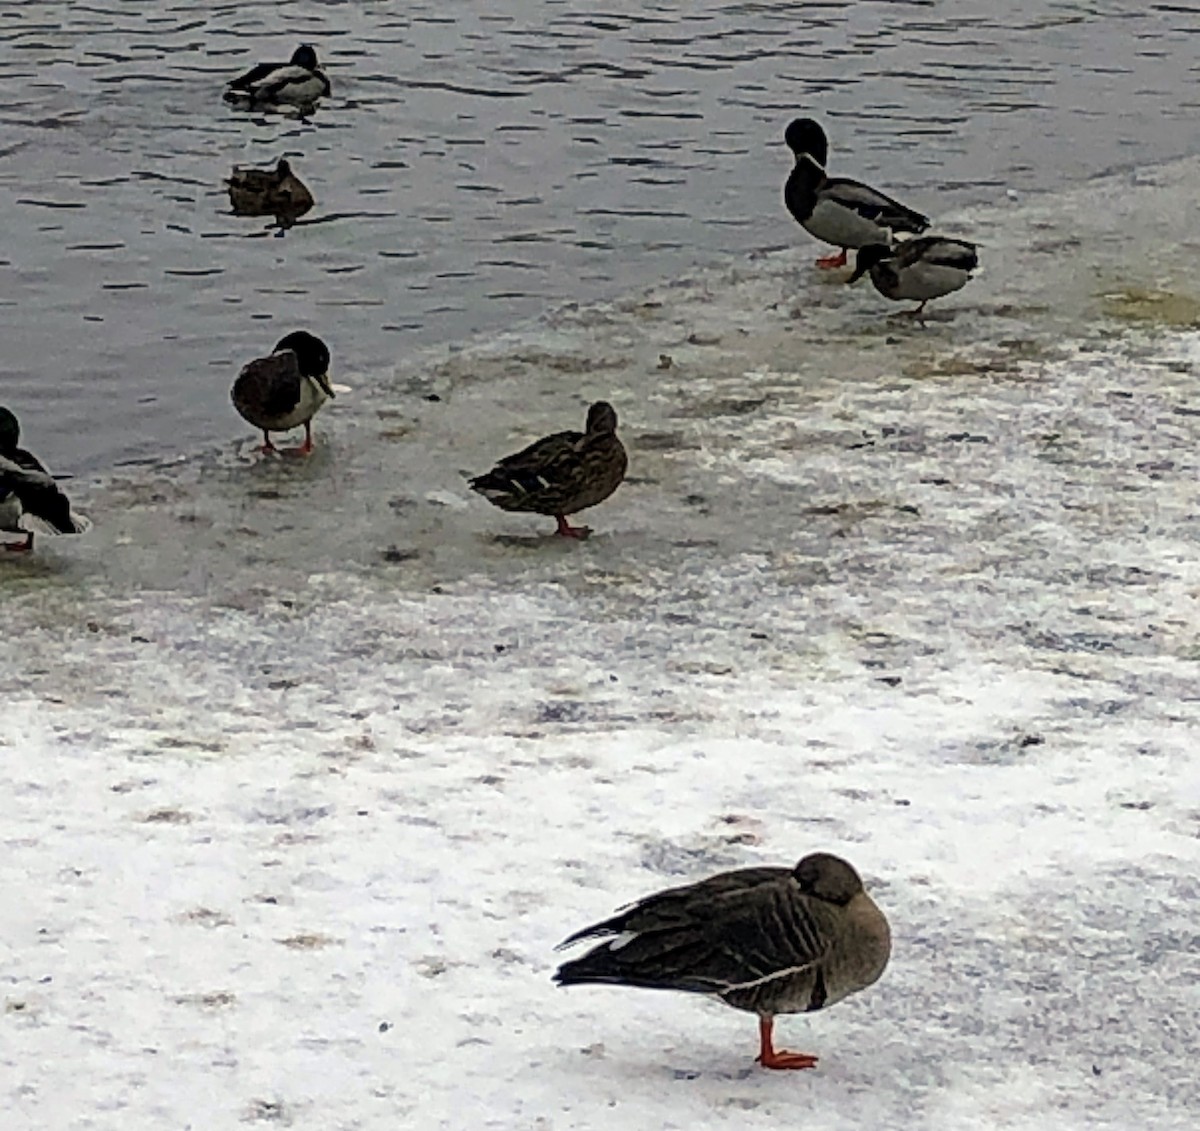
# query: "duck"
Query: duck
30,499
917,270
274,192
837,210
298,83
561,474
285,390
765,940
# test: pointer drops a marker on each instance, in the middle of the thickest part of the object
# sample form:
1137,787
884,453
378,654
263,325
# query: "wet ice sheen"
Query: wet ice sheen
308,770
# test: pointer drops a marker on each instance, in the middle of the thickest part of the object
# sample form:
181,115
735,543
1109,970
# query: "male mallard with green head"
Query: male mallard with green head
917,270
30,499
561,474
764,940
298,83
286,389
838,210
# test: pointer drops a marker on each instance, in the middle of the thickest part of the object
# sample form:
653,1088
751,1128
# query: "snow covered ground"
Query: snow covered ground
310,765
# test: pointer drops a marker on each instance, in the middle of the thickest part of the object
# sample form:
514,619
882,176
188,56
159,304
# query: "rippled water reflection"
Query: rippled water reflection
476,165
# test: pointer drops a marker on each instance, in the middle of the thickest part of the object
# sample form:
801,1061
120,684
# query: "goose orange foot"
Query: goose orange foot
771,1057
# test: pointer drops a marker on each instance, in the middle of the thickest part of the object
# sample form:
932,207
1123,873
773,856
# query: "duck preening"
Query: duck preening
274,192
30,500
561,474
839,211
763,940
286,389
917,270
298,83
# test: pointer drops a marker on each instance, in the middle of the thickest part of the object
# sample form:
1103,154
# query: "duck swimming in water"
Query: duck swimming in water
837,210
274,192
299,83
764,940
30,500
285,390
917,270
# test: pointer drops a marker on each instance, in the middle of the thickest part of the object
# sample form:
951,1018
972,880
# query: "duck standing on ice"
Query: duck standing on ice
286,389
917,270
560,474
30,499
837,210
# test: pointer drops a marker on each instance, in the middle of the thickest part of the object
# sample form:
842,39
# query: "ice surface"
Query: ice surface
309,767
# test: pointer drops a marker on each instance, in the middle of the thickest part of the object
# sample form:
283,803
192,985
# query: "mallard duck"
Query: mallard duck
561,474
286,389
839,211
274,192
30,500
298,83
917,270
764,940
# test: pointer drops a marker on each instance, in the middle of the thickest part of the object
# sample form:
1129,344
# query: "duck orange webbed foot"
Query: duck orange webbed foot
838,260
566,530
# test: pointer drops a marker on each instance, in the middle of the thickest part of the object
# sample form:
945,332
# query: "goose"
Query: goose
765,940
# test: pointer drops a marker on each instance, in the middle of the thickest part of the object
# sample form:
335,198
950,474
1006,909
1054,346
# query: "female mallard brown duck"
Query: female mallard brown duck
274,192
286,389
838,210
30,499
561,474
765,940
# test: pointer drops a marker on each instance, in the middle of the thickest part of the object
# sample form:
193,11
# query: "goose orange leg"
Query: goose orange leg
566,530
771,1057
838,260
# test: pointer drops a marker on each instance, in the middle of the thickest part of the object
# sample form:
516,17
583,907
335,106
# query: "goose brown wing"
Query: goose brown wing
268,386
733,931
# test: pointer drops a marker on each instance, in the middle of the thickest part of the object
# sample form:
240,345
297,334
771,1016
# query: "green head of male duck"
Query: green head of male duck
312,355
867,257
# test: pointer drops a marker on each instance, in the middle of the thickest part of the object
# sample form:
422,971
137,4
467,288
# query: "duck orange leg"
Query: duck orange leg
566,530
771,1057
20,547
838,260
267,446
306,448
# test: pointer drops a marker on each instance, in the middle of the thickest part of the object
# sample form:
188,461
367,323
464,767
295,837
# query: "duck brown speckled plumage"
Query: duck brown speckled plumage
561,474
764,940
274,192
